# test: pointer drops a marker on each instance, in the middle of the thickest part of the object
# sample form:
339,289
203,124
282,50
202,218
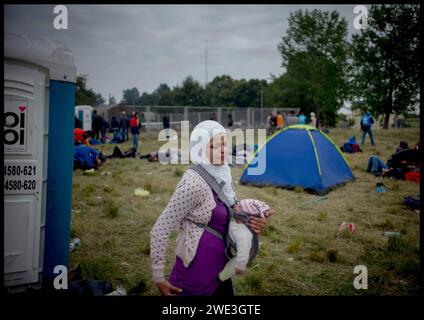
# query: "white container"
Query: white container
391,234
85,114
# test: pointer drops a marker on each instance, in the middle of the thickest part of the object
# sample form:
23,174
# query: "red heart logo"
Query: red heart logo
22,108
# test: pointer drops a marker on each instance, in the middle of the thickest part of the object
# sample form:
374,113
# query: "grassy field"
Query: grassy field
300,252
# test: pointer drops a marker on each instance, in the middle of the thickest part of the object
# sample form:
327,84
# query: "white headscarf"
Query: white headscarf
199,138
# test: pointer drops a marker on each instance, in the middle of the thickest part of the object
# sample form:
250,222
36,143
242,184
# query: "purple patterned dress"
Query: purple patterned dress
200,278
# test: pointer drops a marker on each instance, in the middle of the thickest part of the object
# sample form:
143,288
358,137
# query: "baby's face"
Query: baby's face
237,207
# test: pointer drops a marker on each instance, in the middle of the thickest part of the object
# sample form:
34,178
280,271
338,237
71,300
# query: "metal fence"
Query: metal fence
252,118
151,116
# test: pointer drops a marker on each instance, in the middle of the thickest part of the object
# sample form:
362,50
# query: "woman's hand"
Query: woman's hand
258,224
167,289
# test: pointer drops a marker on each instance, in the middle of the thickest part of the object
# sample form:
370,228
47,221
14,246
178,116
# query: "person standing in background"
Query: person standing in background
97,123
135,130
115,128
272,122
268,121
141,120
280,122
366,127
230,120
123,126
166,124
313,122
302,118
103,129
400,122
78,123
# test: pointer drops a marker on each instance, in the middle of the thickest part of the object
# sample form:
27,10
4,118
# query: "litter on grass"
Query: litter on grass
313,201
139,192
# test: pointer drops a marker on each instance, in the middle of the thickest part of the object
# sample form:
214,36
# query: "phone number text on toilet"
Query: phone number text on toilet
21,177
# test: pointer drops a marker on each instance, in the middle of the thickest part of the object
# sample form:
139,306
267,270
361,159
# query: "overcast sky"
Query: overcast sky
125,46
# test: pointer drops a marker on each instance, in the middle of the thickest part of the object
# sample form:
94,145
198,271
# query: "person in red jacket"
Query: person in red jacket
135,130
80,137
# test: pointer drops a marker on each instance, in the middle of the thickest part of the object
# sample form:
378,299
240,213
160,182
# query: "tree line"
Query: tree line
378,69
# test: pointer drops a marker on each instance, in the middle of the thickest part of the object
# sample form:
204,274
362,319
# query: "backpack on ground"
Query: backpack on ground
413,202
230,245
413,176
351,146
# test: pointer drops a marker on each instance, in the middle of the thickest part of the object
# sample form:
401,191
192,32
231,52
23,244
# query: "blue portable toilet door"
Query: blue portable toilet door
60,170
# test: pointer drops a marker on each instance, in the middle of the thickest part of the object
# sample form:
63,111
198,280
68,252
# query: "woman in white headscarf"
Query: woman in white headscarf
200,255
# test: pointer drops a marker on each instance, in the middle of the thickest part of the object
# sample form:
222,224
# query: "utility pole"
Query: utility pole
206,64
262,104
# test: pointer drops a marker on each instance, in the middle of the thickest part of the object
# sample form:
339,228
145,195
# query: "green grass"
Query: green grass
298,190
178,172
294,246
112,210
300,252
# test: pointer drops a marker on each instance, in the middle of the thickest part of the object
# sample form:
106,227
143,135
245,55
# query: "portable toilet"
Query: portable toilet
84,114
39,101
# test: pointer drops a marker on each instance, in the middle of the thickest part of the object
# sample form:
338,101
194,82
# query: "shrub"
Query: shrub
108,189
88,190
322,216
98,269
395,244
112,210
294,246
317,256
178,172
148,185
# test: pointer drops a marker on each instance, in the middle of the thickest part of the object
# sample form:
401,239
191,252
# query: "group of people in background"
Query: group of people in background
275,121
404,164
86,157
120,127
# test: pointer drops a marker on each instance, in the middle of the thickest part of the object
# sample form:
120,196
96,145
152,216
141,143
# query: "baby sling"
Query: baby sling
230,245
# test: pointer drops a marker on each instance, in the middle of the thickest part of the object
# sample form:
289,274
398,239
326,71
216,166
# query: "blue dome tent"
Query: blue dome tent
299,156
